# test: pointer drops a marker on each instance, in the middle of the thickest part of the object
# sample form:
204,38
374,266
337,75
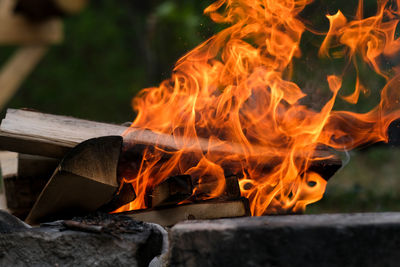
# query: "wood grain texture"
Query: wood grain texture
85,180
48,135
33,166
194,211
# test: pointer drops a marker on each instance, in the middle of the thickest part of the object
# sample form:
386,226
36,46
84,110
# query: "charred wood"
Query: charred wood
171,191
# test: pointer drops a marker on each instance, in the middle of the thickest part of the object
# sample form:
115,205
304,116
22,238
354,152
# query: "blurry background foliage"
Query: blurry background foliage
115,48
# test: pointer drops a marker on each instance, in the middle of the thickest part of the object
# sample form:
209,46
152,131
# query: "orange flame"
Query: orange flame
236,91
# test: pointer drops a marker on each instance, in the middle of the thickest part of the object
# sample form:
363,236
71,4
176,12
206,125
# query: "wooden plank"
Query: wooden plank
85,180
33,166
17,69
51,135
48,135
194,211
16,30
22,192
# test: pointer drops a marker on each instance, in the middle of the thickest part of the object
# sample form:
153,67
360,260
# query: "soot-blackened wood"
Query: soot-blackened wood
178,188
171,191
125,194
85,180
211,209
231,189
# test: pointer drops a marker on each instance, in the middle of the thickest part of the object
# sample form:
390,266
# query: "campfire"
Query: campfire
236,131
230,133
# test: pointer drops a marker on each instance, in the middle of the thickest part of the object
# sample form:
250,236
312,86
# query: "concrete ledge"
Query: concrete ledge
369,239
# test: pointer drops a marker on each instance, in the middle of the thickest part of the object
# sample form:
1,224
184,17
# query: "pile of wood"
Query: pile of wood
75,167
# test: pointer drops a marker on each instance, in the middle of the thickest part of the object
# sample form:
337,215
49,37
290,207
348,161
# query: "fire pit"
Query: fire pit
230,134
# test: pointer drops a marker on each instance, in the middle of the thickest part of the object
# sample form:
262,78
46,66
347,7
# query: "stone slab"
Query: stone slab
55,244
369,239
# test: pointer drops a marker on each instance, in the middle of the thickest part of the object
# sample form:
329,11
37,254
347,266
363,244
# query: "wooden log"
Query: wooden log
51,135
21,193
231,191
33,166
40,10
85,180
16,30
173,190
194,211
17,69
24,187
48,135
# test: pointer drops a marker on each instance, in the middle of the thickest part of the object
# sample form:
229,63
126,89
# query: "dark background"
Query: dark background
114,48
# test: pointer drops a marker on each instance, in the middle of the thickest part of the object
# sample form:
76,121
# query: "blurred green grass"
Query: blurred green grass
370,181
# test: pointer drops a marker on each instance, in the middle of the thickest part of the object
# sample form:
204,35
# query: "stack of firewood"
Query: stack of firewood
71,167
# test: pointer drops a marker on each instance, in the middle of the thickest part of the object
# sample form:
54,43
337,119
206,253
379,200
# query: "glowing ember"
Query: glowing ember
236,90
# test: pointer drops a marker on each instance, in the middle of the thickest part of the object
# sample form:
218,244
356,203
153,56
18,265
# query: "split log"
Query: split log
171,191
40,10
51,135
48,135
231,191
193,211
177,189
84,181
24,179
33,166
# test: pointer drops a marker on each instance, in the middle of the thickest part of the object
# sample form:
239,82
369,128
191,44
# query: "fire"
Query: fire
236,91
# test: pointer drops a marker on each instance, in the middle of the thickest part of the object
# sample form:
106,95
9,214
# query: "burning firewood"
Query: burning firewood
84,181
171,191
179,188
210,209
82,169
